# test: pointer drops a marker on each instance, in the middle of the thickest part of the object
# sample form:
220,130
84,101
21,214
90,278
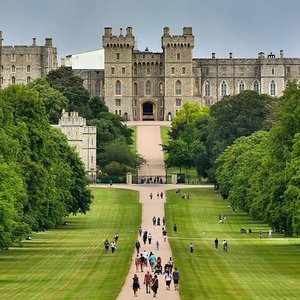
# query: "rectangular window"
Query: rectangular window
178,102
118,102
123,71
28,56
13,57
118,55
172,70
135,71
135,103
178,56
112,71
183,70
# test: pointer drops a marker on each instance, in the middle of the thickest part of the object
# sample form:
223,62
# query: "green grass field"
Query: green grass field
69,263
252,268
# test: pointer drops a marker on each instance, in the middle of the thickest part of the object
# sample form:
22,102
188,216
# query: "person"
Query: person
28,238
137,246
116,237
168,280
164,233
157,195
158,268
225,245
176,279
170,264
260,234
164,221
158,221
192,247
149,238
157,245
106,246
145,236
110,183
151,196
142,262
216,243
175,228
113,247
135,285
161,195
154,285
154,221
152,261
140,231
270,233
137,262
145,255
147,282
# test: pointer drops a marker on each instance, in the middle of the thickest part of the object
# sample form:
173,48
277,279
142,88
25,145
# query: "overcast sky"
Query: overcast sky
244,27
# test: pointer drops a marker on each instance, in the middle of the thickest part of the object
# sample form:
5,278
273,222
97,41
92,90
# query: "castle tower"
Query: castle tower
178,60
118,70
49,56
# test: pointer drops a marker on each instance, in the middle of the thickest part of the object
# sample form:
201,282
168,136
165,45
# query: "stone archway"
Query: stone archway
148,111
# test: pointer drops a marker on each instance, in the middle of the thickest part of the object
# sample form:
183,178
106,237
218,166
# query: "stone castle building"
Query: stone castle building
22,64
144,85
82,138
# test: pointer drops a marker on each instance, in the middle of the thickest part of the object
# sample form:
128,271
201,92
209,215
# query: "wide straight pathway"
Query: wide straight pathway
149,146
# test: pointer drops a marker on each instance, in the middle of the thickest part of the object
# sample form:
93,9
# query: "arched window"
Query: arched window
241,86
256,86
28,69
223,89
118,88
273,88
13,79
97,88
161,89
178,87
207,89
13,69
135,89
28,79
148,88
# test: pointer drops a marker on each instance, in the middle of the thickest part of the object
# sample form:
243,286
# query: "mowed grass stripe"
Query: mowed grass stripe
253,268
69,263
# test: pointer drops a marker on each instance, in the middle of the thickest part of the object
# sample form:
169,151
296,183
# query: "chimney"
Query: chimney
230,54
213,55
108,31
261,55
48,42
166,31
129,31
281,53
33,41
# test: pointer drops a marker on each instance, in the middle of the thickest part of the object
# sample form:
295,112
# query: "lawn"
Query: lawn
70,263
253,268
134,133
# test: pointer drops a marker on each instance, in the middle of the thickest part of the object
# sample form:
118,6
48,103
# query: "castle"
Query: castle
144,85
21,64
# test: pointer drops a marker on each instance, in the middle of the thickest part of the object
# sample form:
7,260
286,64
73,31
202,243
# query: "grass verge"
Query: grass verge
253,268
70,263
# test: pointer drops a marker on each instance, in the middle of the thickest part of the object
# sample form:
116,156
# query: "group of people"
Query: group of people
158,195
149,180
157,221
112,245
216,242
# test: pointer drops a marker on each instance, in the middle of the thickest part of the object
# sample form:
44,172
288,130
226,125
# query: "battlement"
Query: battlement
118,41
186,40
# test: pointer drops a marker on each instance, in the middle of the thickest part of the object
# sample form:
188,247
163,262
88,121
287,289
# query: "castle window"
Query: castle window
241,86
135,103
148,71
28,69
161,71
13,57
288,71
161,89
120,112
118,88
118,102
273,88
116,112
178,102
161,102
178,56
28,56
135,71
118,55
148,88
123,71
135,89
97,88
134,112
13,69
273,71
256,86
178,87
172,70
207,89
2,68
28,79
223,89
13,79
183,70
207,102
112,71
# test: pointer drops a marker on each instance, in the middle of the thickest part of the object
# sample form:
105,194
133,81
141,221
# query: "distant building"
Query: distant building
145,85
82,138
22,64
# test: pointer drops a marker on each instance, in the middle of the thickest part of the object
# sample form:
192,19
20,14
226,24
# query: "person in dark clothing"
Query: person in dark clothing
176,279
154,285
135,285
216,243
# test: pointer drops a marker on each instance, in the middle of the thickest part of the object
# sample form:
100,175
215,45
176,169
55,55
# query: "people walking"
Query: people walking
168,280
149,238
225,245
137,262
106,246
157,245
140,231
154,285
192,247
145,236
164,233
176,279
164,221
216,243
154,221
135,285
147,282
151,196
161,195
137,246
113,247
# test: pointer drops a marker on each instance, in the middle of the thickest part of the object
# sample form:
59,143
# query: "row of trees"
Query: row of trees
249,145
42,180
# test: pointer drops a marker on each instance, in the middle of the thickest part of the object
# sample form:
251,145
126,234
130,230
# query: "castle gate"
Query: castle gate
148,110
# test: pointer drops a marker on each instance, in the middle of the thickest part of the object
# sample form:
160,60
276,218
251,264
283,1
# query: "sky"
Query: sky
243,27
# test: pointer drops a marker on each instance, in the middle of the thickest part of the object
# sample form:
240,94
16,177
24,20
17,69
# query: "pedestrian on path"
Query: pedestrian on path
164,221
145,236
216,243
135,284
176,279
161,195
147,282
140,231
192,247
149,238
157,195
137,263
164,233
154,221
137,246
154,285
157,245
158,221
113,247
151,196
168,280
